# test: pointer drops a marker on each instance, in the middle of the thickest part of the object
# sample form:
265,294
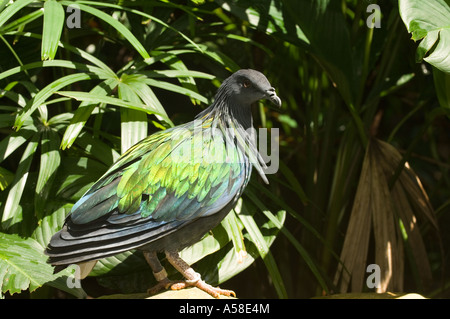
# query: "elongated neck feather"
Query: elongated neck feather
225,114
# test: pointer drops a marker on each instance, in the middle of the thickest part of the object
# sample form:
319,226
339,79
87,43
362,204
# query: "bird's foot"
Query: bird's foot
193,279
166,283
163,282
216,292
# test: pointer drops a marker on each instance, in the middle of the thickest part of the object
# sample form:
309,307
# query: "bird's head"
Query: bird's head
247,86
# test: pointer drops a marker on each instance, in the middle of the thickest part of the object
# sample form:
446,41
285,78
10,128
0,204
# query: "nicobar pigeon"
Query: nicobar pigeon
170,189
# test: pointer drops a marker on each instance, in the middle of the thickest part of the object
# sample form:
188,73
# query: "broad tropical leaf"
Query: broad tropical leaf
24,266
429,22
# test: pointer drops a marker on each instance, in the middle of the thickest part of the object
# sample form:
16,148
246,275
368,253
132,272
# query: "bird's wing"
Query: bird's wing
165,182
177,175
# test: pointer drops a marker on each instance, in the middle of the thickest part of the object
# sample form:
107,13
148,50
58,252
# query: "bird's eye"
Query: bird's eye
246,83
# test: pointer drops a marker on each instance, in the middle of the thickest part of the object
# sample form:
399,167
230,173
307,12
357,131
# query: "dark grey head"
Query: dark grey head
236,95
247,86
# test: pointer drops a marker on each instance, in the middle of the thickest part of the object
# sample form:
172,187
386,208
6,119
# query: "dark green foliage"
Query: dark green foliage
132,68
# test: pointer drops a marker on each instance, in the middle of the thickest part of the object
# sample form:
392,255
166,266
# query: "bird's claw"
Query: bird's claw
216,292
166,283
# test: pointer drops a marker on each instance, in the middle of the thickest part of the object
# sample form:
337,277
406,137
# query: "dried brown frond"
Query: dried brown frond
388,213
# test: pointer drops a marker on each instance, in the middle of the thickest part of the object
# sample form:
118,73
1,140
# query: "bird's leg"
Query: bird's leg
193,278
159,273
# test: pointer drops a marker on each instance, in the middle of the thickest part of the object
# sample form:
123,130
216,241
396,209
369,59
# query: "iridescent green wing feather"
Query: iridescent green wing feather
194,173
188,171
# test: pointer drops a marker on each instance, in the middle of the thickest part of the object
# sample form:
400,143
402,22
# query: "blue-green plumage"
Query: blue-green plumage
168,190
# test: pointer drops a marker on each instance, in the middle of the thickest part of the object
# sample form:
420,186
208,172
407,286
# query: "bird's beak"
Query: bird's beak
273,97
